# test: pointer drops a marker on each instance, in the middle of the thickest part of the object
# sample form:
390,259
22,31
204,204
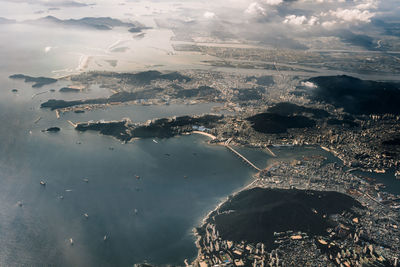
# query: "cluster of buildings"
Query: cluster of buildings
372,238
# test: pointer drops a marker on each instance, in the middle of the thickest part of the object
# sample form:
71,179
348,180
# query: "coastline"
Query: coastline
223,201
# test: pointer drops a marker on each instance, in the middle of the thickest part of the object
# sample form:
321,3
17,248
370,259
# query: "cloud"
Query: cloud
353,15
256,9
329,24
273,2
301,20
313,21
209,15
368,5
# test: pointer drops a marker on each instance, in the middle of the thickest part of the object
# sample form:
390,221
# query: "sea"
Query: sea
105,203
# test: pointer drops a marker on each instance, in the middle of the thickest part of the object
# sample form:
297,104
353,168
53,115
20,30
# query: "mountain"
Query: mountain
6,21
98,23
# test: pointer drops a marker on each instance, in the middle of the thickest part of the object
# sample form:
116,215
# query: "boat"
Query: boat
137,176
42,183
105,238
86,215
155,141
71,241
135,211
86,180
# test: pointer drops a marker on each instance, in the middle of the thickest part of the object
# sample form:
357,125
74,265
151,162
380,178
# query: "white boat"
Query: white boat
155,141
71,241
86,215
105,238
42,183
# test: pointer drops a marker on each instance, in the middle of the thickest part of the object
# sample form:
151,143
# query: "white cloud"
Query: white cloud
256,9
295,20
47,49
329,24
367,5
353,15
273,2
313,21
209,15
301,20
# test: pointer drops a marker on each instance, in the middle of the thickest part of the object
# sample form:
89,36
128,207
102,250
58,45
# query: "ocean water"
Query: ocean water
147,219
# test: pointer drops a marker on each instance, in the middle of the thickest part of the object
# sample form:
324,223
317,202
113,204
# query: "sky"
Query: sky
287,23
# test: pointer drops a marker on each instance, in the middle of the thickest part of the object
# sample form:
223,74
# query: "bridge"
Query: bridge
226,144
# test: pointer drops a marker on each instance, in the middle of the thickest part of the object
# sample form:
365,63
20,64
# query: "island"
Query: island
52,129
37,81
125,130
69,90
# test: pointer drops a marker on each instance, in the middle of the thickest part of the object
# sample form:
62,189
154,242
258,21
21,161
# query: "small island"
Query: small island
52,129
69,90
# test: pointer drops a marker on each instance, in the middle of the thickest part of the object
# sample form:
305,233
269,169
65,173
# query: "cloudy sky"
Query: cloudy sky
359,22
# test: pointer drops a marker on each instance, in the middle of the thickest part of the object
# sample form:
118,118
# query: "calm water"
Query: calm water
147,219
167,205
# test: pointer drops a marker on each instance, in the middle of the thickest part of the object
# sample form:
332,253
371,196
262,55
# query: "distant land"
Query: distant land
95,23
98,23
37,81
357,96
6,21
